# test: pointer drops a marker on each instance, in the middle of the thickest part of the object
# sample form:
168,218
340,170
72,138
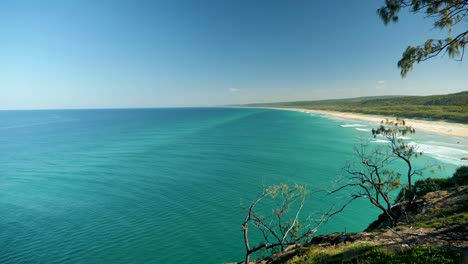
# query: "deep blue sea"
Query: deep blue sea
166,185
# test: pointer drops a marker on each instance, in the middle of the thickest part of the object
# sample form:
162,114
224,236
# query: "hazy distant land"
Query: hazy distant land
451,107
442,114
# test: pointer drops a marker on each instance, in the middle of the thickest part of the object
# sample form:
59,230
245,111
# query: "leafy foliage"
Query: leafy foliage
421,187
446,14
448,209
393,130
279,223
460,177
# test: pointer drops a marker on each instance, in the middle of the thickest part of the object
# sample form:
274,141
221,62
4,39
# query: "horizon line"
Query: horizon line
215,106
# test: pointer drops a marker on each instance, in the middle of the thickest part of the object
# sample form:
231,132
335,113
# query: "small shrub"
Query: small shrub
460,177
421,187
429,185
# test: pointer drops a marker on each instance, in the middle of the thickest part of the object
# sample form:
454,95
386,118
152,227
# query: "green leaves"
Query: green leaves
281,227
388,13
390,128
445,13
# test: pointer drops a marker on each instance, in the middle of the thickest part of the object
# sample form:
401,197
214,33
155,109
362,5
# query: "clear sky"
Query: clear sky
112,53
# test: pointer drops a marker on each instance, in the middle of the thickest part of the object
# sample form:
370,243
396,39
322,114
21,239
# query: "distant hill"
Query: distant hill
450,107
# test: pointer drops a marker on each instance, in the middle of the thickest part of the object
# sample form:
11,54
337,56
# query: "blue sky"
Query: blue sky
106,54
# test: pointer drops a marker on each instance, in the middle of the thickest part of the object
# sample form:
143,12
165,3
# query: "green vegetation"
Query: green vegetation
281,227
460,177
451,107
365,253
422,187
441,215
443,219
446,14
412,255
437,209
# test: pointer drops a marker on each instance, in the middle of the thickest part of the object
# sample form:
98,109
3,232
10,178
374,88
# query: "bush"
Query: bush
421,187
460,177
430,185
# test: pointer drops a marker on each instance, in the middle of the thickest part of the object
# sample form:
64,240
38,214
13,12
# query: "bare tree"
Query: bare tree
373,176
370,178
394,132
280,224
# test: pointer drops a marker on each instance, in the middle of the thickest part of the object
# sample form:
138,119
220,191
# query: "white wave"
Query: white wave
444,154
458,145
399,137
451,160
436,149
379,141
362,129
403,137
353,125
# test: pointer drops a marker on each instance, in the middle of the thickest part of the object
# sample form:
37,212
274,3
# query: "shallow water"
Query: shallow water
166,185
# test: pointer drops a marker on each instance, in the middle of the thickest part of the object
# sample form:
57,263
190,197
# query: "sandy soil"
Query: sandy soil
439,127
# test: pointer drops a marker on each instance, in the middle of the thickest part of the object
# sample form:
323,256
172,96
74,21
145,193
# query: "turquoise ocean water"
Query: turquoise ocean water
166,185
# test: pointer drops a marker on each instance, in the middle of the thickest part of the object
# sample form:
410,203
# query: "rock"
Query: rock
332,239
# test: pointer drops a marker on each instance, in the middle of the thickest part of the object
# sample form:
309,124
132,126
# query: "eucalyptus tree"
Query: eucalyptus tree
369,177
276,214
394,132
447,15
376,172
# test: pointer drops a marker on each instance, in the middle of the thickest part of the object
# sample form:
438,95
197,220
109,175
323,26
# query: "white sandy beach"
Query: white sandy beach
439,127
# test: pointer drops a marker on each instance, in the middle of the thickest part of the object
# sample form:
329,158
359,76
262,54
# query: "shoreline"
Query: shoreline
438,127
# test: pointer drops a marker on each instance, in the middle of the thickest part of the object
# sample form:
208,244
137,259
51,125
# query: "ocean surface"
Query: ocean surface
167,185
